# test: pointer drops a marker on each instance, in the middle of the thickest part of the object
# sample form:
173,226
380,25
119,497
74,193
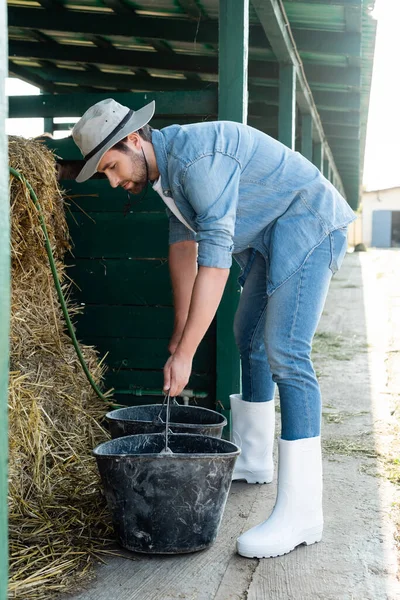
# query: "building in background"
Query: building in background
378,224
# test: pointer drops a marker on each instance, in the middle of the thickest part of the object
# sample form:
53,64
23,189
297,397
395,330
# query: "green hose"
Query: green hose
136,392
59,290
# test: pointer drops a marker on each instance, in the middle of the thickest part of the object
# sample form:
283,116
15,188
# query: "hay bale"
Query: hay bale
57,515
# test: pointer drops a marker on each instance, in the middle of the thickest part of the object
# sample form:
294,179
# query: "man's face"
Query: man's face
126,169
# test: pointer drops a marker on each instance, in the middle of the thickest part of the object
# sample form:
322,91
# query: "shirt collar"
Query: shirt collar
158,141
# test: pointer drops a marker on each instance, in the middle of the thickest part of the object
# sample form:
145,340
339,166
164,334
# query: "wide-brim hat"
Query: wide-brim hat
102,126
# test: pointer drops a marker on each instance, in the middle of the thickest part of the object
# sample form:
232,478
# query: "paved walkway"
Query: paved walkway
357,355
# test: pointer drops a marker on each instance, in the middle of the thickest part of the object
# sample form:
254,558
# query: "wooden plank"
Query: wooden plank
337,100
96,78
328,42
120,281
171,29
328,101
134,322
131,353
27,75
125,379
74,105
335,117
113,235
4,307
139,322
96,195
316,74
342,131
233,51
287,105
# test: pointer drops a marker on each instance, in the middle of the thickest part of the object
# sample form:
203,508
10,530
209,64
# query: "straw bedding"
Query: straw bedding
57,515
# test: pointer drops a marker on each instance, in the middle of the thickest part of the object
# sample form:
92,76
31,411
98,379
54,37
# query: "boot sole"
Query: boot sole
253,478
312,537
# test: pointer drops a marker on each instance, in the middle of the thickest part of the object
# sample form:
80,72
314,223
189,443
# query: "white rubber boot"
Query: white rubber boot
297,515
253,429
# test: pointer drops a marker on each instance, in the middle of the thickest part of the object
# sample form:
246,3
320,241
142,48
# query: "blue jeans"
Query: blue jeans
274,335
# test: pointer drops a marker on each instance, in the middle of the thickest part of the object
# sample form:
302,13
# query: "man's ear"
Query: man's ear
135,139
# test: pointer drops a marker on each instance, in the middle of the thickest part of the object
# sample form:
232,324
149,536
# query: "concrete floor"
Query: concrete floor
357,361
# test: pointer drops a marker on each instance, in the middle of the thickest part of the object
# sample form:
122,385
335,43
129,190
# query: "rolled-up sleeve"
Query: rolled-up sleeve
178,232
211,184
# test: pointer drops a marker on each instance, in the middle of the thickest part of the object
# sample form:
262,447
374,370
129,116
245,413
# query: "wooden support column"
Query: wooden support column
287,105
4,304
318,156
48,125
232,105
306,136
326,169
233,59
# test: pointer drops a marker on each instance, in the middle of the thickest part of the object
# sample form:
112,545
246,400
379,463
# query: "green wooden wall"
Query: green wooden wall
4,306
120,271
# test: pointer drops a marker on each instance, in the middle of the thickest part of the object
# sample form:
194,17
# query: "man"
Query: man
234,191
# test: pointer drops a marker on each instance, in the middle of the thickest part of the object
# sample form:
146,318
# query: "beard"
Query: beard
139,178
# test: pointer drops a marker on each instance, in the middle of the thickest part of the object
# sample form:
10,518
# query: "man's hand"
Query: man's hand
177,372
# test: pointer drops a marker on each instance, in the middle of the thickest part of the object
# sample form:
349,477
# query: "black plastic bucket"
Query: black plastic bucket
183,419
166,503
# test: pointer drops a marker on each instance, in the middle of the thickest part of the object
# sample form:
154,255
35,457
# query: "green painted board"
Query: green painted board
96,195
121,281
126,321
139,322
130,353
113,235
125,379
201,102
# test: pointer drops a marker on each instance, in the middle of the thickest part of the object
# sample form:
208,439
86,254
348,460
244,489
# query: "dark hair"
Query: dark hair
145,134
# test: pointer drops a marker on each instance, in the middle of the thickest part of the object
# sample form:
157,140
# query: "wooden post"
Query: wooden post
232,105
48,125
287,105
306,136
4,305
318,156
326,168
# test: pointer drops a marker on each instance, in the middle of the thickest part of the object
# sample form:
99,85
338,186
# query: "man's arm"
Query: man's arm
206,296
183,270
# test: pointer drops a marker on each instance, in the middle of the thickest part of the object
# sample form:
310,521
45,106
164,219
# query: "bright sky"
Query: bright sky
382,154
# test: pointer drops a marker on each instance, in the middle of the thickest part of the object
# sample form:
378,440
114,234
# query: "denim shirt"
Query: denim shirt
243,191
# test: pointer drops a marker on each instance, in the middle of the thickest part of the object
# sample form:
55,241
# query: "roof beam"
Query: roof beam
171,29
346,77
278,31
27,75
119,7
191,8
97,78
331,101
342,131
167,103
327,42
336,117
